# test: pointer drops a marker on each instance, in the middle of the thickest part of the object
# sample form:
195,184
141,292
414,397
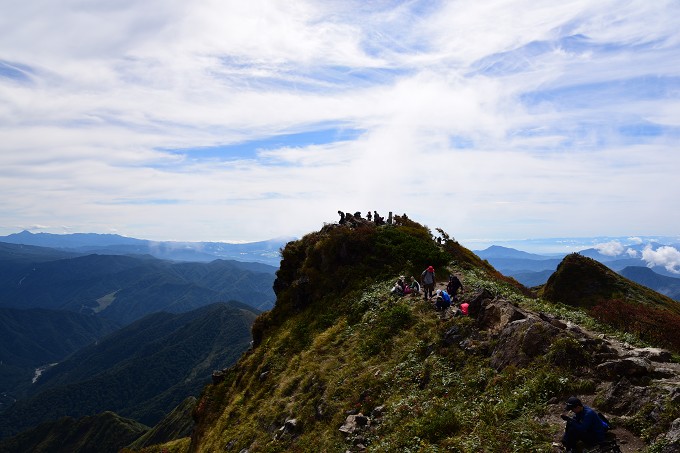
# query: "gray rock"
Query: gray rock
653,354
495,315
628,366
354,423
521,341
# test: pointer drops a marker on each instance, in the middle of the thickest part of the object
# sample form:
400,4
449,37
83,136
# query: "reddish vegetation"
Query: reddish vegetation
642,320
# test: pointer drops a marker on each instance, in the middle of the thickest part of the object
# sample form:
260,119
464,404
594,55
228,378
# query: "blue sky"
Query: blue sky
242,121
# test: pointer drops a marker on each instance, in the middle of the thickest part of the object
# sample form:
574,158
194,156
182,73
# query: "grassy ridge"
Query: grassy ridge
338,343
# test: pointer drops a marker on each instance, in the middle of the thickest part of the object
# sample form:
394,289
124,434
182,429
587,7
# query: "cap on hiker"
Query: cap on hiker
572,402
430,269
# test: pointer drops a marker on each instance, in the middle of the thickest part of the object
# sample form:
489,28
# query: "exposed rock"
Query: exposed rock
452,336
552,320
521,341
290,427
624,398
673,438
475,305
354,423
378,411
653,354
663,373
218,376
495,315
628,366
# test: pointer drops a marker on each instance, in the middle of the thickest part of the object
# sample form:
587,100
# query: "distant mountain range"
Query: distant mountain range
533,269
124,288
112,244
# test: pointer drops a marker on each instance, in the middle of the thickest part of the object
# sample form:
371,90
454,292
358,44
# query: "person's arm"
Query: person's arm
585,423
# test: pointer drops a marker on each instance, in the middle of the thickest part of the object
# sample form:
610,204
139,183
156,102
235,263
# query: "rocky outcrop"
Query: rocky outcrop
494,315
521,341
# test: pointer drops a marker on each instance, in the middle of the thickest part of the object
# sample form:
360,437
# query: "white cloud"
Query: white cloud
632,253
512,123
611,248
666,256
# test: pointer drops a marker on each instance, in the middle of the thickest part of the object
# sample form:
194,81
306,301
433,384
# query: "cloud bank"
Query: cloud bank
665,256
225,120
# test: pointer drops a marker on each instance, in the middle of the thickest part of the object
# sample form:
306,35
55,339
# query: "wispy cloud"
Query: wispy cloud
559,121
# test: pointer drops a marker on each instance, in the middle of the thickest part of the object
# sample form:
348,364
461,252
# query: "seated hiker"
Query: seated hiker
453,285
407,287
398,288
443,300
585,426
415,286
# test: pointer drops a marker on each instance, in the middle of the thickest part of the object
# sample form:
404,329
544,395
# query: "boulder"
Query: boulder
672,438
495,315
521,341
354,423
552,320
653,354
624,398
475,305
627,366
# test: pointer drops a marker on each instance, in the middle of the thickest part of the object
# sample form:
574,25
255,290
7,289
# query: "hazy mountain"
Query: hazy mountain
17,253
500,252
530,279
126,288
141,371
530,269
668,286
112,244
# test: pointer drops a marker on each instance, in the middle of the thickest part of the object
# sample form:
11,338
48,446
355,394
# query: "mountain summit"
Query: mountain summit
341,364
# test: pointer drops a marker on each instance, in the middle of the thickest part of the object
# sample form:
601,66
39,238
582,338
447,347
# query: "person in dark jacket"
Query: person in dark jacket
585,426
453,285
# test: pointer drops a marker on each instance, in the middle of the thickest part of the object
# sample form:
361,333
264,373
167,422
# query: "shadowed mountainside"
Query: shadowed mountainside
141,371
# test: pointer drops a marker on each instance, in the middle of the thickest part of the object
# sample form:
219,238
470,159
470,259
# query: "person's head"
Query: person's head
430,269
573,404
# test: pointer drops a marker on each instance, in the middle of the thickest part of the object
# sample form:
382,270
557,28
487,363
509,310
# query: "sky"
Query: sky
219,120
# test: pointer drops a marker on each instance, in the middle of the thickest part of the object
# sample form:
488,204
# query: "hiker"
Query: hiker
453,285
405,286
585,426
443,300
398,288
464,307
428,282
415,287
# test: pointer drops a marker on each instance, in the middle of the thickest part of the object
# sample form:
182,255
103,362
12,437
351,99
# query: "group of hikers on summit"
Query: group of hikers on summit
444,298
